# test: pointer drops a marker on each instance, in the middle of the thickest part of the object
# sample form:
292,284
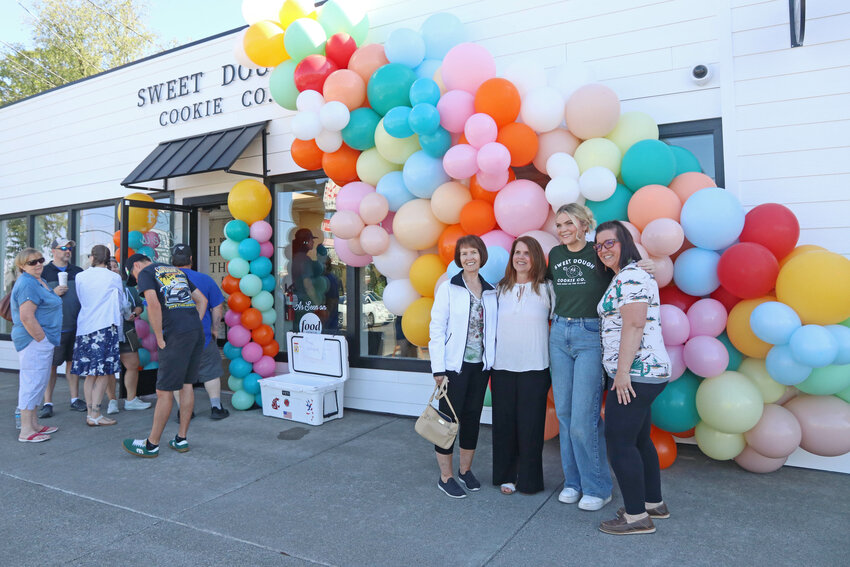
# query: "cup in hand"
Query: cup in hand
63,278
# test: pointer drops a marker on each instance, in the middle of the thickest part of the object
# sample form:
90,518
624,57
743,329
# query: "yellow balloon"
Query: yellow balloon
598,152
415,226
416,320
371,166
816,286
802,249
739,331
425,272
263,44
294,9
633,127
447,201
438,78
395,150
249,201
756,371
140,219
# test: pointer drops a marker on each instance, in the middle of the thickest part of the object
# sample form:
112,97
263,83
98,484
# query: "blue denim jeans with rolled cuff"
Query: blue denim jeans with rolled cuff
575,361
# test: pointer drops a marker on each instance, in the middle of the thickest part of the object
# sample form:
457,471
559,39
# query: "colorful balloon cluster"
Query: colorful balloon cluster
250,284
149,351
140,238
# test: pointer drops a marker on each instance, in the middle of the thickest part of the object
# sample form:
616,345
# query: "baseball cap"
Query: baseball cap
128,267
59,242
181,255
304,234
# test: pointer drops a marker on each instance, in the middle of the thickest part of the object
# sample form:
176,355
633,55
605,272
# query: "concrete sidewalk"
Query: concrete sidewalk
362,491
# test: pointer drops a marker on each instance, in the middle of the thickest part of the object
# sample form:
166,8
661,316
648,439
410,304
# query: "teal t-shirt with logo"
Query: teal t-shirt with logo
578,285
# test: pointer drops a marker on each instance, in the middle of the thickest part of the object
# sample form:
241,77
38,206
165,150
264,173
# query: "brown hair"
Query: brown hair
100,255
471,241
538,266
24,256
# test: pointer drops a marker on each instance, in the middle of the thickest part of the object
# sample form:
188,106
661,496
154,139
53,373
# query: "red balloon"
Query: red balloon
339,49
311,73
724,296
748,270
665,446
672,295
773,226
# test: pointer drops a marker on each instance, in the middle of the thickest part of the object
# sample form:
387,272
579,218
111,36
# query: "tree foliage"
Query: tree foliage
73,39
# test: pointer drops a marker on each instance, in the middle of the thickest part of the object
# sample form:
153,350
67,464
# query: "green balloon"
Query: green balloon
359,134
718,445
144,314
269,317
282,84
238,268
735,357
234,383
826,380
488,398
229,249
335,17
263,301
303,37
685,160
251,285
614,207
844,395
729,403
361,31
389,87
845,322
242,400
675,408
647,162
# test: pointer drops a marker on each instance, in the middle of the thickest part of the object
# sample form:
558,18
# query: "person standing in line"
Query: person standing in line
462,345
175,310
635,358
65,287
210,370
520,379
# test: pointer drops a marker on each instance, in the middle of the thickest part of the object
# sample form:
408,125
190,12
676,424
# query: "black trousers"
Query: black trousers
519,420
466,391
630,450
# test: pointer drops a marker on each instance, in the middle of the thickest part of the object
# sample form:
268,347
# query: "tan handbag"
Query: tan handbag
434,425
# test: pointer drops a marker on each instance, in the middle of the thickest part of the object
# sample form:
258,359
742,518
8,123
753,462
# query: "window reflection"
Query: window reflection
14,236
96,226
47,228
380,330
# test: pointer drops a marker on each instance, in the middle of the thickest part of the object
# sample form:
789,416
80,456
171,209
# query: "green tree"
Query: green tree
74,39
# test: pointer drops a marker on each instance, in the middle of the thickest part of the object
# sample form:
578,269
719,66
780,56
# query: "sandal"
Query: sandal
99,420
508,488
47,430
34,438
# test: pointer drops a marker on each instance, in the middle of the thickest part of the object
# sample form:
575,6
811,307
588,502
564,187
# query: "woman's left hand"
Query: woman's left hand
647,265
623,387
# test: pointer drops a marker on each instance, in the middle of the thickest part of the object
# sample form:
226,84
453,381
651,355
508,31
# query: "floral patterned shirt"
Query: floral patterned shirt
474,351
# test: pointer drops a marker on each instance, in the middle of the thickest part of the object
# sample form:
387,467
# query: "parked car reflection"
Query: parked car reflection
374,311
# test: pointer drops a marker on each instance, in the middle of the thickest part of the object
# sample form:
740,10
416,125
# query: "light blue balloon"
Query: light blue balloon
147,251
240,367
453,269
237,230
695,271
783,368
393,188
395,122
841,334
404,46
229,249
425,90
813,345
249,249
263,301
422,174
424,118
426,70
269,283
231,351
153,365
145,356
712,218
269,317
135,239
251,285
436,144
497,261
774,322
242,400
261,267
234,383
238,267
441,32
250,383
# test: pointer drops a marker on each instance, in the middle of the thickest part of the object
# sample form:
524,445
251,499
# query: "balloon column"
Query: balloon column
250,285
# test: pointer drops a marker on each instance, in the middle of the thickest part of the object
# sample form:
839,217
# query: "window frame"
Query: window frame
710,126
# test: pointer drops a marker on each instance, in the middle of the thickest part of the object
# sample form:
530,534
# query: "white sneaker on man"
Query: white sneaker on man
569,495
136,404
593,503
113,407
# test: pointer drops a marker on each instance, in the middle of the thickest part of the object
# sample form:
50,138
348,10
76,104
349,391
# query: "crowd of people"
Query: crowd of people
603,305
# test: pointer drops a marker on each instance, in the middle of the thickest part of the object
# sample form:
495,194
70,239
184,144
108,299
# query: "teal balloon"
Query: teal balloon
135,239
242,400
648,162
144,356
424,90
240,367
735,356
424,118
229,249
234,384
238,267
144,315
615,207
269,317
268,282
675,408
261,266
389,87
395,122
237,230
359,134
258,399
282,84
304,37
826,380
251,285
250,383
436,144
147,251
263,301
231,352
249,249
685,160
488,398
844,394
151,366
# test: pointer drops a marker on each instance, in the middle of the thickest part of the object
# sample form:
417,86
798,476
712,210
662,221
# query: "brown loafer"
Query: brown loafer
658,513
619,526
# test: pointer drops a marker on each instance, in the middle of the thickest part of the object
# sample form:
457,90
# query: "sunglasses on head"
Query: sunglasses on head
65,248
35,262
606,244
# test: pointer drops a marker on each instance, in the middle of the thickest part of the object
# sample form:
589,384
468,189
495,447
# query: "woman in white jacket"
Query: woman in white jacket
462,348
96,347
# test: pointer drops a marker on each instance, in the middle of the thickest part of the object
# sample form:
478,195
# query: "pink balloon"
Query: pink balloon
265,367
149,342
498,238
592,111
374,208
266,249
151,239
663,269
349,197
632,230
677,361
387,223
154,354
492,181
546,240
707,317
346,224
374,240
521,206
705,356
142,328
825,421
261,231
455,108
662,237
354,246
460,162
494,158
238,336
480,129
349,257
777,434
751,460
252,352
675,327
466,66
232,318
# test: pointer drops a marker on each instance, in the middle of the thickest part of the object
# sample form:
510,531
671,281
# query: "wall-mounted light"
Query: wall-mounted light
797,18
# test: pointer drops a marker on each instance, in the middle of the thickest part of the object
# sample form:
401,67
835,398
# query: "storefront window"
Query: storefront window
48,227
380,330
13,238
96,226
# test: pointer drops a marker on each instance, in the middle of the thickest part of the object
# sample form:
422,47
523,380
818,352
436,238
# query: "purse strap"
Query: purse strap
440,392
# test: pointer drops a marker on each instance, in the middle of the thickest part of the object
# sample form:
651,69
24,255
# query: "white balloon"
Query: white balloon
526,75
306,125
258,10
542,109
310,101
329,141
334,116
239,52
570,76
396,261
562,164
562,190
398,295
597,183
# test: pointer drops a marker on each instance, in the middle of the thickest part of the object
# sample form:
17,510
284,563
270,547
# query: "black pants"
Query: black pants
466,391
519,420
630,450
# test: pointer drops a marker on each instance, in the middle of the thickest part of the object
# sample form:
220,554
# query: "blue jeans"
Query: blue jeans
575,360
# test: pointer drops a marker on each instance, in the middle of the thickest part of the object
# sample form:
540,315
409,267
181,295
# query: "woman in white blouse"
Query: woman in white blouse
520,379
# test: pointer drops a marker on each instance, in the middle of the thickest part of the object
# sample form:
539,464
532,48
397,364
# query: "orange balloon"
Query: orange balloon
462,139
665,446
685,434
130,252
478,192
552,426
262,335
116,239
341,165
367,59
345,86
521,142
252,318
739,331
500,99
477,217
238,301
306,154
653,202
271,349
230,284
686,184
448,240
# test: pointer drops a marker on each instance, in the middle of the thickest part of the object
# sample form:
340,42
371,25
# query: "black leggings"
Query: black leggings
630,450
466,391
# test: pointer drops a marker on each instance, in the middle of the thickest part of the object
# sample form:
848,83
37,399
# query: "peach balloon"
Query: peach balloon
546,240
367,59
415,226
632,230
557,140
686,184
662,237
373,209
355,247
592,111
345,86
751,460
663,269
374,240
777,434
448,200
346,224
653,202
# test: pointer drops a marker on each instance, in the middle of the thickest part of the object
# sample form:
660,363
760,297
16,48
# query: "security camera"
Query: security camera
701,74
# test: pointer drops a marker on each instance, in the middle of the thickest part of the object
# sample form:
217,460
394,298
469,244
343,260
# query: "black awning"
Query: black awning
213,151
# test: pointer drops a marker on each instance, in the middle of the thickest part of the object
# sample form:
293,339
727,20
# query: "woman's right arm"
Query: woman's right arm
30,323
437,332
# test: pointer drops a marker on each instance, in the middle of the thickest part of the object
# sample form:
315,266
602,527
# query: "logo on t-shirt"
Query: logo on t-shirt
174,287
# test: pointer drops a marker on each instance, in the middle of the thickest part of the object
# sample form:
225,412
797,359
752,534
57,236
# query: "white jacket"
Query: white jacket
450,324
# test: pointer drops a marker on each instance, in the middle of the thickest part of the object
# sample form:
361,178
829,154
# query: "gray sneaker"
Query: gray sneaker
79,405
136,404
45,411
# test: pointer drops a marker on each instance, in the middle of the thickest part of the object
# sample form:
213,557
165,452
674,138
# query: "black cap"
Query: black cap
181,255
128,267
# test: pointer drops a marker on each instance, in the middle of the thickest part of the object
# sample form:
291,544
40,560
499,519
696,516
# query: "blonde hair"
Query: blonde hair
24,256
581,216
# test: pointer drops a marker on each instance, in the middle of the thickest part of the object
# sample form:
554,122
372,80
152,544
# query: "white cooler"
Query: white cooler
313,390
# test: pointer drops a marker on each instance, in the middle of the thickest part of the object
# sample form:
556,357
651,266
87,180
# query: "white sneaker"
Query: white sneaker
113,407
593,503
136,404
569,495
